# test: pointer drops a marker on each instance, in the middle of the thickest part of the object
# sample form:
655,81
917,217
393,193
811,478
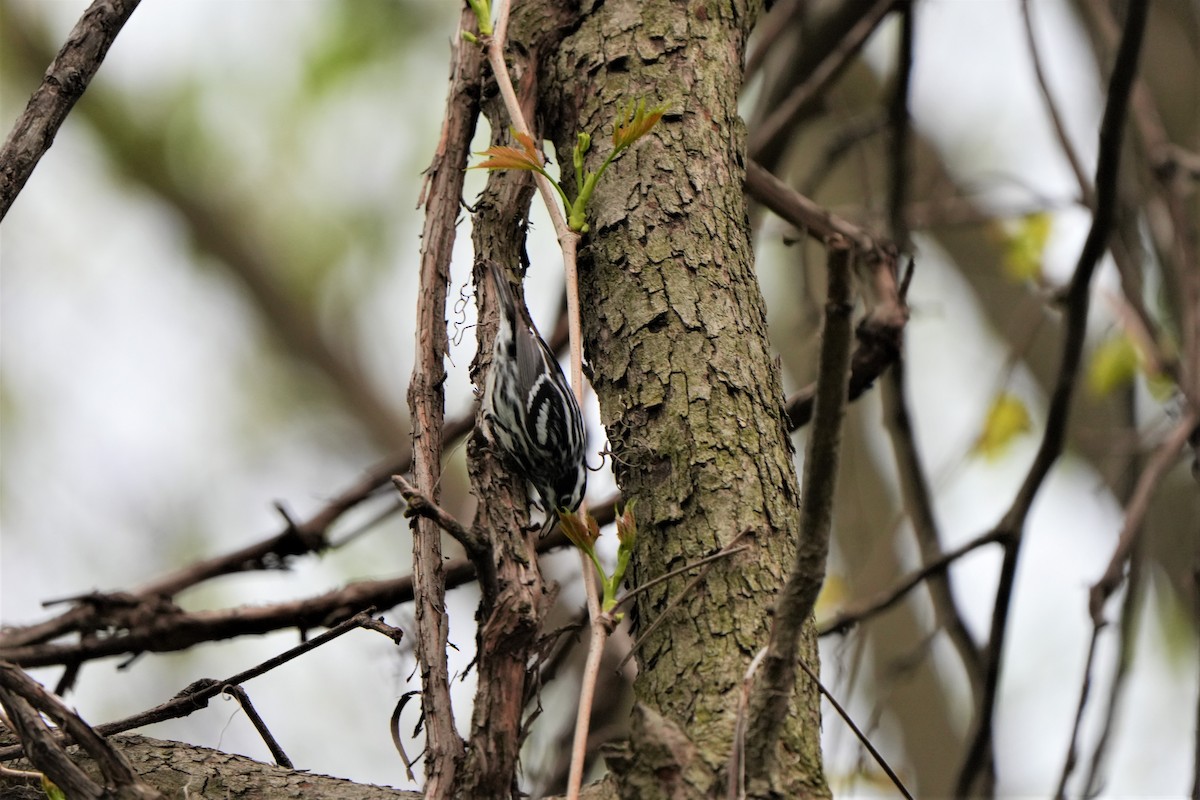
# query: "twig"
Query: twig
1178,242
476,546
397,739
1056,120
1076,303
1164,457
1085,688
1126,640
25,700
898,122
858,734
735,787
64,83
780,122
811,218
772,693
243,699
684,594
197,695
768,31
862,611
725,552
914,482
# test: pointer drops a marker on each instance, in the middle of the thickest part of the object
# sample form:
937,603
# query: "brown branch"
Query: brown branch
1056,120
1076,303
773,690
1085,688
1162,460
198,693
880,333
508,631
914,482
296,539
810,218
919,506
864,610
858,733
145,629
477,546
1178,243
780,123
25,700
164,628
899,123
64,83
243,700
426,397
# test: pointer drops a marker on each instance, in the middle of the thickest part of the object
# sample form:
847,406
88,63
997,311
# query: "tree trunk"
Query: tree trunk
688,390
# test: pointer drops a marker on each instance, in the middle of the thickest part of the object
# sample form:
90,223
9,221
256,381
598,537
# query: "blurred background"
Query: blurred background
206,294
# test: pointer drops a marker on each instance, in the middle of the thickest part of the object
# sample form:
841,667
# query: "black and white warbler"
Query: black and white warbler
531,410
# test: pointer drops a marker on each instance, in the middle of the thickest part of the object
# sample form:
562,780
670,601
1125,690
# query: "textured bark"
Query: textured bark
688,391
508,630
63,84
182,770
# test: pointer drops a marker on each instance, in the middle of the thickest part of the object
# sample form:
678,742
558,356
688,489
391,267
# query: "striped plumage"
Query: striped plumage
530,408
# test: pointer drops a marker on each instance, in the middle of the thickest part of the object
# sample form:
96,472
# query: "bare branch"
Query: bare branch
477,547
426,397
1162,460
25,700
243,699
859,612
772,694
197,695
858,734
1077,300
65,81
780,123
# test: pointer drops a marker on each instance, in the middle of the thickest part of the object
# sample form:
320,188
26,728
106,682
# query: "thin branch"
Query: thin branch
143,628
1178,242
296,539
780,123
773,691
25,700
811,218
735,778
769,30
914,482
684,594
568,241
864,610
477,547
64,83
1162,460
197,695
1085,688
858,734
1077,300
243,700
426,397
1124,650
1056,120
898,122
